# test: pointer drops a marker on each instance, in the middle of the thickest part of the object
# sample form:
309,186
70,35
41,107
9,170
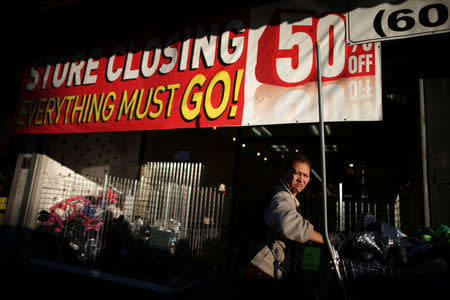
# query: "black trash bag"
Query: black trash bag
43,216
367,241
369,222
388,238
370,245
335,240
366,255
377,236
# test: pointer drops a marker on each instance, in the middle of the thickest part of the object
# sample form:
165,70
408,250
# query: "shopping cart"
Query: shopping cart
363,280
358,270
356,279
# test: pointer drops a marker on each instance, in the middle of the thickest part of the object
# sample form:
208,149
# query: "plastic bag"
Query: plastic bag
376,242
368,241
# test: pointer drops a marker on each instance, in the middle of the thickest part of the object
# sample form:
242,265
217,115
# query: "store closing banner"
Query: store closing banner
254,68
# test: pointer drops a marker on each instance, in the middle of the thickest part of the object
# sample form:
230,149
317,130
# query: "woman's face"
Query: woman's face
297,177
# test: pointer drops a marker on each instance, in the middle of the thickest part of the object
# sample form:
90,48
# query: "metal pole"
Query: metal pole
324,175
341,212
135,191
423,137
187,184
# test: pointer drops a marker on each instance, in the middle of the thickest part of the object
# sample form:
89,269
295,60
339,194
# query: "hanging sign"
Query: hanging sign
371,21
254,68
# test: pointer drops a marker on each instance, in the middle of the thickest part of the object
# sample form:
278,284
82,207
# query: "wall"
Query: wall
437,107
97,154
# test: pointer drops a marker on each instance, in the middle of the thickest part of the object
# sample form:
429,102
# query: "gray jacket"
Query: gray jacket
286,223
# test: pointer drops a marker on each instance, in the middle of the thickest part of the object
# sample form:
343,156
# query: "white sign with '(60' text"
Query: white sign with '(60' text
371,21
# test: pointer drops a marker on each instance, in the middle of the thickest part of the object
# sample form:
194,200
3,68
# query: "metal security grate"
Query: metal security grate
172,199
165,207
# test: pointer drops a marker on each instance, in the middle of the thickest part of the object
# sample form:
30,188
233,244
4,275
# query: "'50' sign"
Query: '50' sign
286,49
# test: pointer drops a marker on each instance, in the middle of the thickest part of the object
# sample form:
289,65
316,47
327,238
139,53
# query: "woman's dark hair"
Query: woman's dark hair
291,159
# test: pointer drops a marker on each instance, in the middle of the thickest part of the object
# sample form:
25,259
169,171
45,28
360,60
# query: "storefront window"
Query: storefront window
193,193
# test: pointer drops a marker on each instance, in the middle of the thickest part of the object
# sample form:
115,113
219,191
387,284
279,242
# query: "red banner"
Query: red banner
228,73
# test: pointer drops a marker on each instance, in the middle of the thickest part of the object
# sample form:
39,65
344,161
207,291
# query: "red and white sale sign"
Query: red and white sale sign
255,68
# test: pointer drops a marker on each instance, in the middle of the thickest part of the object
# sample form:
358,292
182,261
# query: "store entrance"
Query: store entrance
367,171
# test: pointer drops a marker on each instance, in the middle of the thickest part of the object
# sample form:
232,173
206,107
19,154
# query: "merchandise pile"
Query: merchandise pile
79,220
380,247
